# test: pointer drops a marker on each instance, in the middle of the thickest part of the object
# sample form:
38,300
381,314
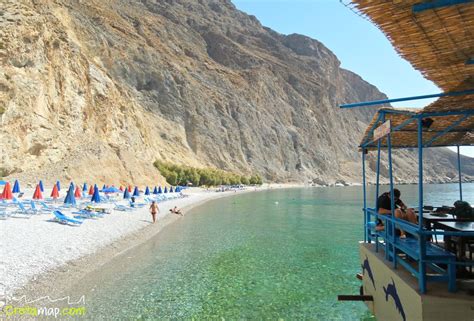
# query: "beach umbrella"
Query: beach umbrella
178,189
78,192
171,189
160,190
136,192
111,189
166,189
126,194
70,199
121,188
95,197
155,190
41,186
7,192
55,192
91,190
147,191
37,194
84,187
104,187
59,185
16,187
129,188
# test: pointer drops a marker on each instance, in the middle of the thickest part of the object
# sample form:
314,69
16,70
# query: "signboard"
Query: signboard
382,130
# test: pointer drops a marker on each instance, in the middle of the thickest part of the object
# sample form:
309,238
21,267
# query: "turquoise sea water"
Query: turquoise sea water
278,254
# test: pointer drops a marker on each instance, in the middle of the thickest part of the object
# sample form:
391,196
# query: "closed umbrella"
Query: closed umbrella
126,194
84,187
147,191
136,192
160,191
70,199
16,187
37,194
59,185
78,192
7,192
95,197
166,189
55,192
155,190
41,186
171,189
91,190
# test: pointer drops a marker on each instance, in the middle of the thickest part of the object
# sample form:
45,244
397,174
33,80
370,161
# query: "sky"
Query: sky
359,45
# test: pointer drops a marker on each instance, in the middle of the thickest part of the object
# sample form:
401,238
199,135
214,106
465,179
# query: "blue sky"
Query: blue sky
359,45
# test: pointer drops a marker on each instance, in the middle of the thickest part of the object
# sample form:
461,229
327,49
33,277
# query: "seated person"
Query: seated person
175,210
401,210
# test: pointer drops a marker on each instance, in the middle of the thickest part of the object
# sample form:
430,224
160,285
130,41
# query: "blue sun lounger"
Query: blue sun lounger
63,219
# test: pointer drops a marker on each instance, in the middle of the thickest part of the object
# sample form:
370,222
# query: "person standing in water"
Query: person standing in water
154,210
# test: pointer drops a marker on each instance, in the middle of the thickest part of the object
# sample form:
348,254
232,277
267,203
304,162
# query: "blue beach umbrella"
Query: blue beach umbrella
71,184
147,191
160,191
104,187
155,191
178,189
58,185
126,194
166,189
41,186
95,197
16,187
171,189
84,187
136,192
70,199
111,189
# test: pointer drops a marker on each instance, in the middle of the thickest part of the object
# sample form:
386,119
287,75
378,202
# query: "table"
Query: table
460,240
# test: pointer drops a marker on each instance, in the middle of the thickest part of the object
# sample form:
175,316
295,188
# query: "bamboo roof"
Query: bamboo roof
462,133
439,42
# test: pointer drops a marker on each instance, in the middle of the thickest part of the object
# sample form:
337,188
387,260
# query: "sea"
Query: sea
282,254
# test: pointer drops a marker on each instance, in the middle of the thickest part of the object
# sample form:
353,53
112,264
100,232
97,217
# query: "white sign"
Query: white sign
382,130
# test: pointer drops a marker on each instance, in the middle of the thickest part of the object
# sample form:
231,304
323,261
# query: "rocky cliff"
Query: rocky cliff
99,89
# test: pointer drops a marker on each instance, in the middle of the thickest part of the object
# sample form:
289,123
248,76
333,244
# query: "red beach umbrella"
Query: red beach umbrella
7,192
54,192
91,190
121,188
129,189
37,195
78,192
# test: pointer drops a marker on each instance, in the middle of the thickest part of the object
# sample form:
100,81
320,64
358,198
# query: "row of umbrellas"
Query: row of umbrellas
75,192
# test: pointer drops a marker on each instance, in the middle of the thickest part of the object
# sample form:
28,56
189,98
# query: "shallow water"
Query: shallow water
278,254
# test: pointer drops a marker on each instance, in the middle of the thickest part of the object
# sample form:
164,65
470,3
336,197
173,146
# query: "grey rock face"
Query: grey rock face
98,90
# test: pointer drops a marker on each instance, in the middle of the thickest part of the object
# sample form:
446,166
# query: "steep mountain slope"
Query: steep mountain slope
100,89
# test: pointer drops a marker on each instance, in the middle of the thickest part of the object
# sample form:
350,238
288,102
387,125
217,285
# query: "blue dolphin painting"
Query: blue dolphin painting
391,290
366,267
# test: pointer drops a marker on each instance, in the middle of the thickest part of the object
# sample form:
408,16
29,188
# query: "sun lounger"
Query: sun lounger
63,219
87,214
123,208
23,210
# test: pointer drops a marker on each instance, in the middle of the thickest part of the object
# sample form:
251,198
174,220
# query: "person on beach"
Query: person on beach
154,210
401,210
175,210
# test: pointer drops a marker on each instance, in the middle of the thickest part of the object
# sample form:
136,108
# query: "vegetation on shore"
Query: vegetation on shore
182,175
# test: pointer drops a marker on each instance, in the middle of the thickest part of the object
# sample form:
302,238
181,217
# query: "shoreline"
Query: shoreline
57,277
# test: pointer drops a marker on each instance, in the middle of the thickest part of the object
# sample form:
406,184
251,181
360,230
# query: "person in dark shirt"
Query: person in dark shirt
401,211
